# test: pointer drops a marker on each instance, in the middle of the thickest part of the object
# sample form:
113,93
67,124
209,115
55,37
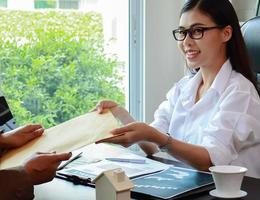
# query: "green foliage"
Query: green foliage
53,65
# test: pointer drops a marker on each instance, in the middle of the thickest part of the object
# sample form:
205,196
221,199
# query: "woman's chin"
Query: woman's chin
192,66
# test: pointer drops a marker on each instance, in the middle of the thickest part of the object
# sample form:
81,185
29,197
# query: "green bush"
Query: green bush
53,65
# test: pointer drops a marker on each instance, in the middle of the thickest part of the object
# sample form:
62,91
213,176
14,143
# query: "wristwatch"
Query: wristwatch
165,147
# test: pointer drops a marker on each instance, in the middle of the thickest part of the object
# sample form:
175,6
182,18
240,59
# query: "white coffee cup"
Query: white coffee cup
228,179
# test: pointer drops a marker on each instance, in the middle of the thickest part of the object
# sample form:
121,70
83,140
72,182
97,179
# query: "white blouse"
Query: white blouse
226,120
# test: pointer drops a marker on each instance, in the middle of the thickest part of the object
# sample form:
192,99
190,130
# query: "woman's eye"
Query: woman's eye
181,32
197,31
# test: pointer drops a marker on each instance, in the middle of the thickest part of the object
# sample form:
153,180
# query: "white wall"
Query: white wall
163,62
245,9
20,5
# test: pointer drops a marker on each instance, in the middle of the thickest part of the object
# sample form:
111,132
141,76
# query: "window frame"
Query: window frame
136,59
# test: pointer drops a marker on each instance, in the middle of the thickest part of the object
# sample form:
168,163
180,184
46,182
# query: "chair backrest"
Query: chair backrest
251,32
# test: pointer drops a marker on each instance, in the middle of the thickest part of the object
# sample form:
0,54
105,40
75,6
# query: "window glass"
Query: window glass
56,64
3,3
69,4
44,4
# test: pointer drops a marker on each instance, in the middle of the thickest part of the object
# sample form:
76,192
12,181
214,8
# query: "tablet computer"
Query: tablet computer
7,121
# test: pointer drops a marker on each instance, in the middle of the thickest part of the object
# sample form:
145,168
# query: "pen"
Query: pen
76,179
128,160
69,161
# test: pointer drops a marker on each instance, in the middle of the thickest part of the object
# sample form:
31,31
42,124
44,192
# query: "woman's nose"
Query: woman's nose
188,40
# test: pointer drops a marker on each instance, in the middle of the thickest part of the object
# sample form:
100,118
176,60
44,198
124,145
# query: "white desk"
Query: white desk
59,189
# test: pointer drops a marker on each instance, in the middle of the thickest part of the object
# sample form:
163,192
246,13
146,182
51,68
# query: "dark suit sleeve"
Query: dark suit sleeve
15,185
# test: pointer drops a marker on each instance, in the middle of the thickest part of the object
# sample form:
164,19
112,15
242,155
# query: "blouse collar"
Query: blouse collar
218,85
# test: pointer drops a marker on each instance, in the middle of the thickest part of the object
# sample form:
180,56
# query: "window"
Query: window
39,4
3,3
57,64
69,4
62,4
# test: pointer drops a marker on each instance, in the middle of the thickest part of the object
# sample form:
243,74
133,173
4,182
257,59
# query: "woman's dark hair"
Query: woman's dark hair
223,14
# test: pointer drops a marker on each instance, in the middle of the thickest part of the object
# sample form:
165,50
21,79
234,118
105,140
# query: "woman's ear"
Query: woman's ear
227,33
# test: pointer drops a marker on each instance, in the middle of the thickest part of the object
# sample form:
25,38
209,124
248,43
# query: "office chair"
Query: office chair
251,32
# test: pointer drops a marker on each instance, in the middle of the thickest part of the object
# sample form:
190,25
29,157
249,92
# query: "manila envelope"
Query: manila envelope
65,137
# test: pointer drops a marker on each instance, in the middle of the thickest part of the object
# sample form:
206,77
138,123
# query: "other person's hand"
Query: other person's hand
42,167
20,136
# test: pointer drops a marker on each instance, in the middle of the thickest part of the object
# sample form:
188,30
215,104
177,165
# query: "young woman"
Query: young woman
213,116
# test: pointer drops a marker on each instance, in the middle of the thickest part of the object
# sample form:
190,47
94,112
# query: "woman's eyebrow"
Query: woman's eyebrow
192,25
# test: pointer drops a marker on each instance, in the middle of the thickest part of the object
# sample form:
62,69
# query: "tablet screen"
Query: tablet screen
7,121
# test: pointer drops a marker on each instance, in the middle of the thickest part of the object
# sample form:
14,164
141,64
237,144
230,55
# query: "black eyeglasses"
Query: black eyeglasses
195,33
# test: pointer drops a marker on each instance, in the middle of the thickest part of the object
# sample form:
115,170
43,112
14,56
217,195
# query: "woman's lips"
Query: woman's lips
191,54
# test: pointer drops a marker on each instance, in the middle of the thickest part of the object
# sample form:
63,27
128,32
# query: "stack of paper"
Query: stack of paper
97,158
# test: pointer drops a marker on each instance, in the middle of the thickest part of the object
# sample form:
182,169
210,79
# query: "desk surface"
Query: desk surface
63,190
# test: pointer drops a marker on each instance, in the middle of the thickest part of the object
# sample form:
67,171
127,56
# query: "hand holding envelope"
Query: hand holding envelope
109,138
64,137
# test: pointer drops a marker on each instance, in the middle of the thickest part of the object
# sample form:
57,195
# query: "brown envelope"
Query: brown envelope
65,137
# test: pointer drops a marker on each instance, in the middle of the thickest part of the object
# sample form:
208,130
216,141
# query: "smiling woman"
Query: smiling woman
210,117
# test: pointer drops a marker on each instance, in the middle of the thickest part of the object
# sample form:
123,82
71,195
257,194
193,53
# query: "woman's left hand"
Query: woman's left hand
20,136
131,133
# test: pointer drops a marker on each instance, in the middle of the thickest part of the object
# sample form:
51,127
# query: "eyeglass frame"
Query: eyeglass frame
189,32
